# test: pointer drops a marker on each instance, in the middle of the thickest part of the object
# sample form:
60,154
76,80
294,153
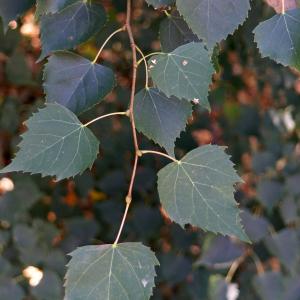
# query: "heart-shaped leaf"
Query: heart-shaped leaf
279,38
56,144
185,73
198,190
213,20
124,271
160,118
71,26
76,82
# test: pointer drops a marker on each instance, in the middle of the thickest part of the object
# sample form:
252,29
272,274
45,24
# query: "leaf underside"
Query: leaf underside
105,272
213,20
71,26
279,38
185,73
76,82
55,144
199,191
161,118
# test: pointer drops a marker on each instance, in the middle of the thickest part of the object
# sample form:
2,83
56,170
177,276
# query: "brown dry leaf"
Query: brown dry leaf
277,4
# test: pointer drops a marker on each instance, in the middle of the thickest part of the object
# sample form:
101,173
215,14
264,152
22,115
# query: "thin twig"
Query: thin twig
234,267
122,224
105,116
106,41
159,153
146,66
146,56
132,121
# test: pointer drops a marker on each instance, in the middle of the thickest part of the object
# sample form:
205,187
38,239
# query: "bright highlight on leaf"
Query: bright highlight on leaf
185,73
71,26
160,118
213,20
126,271
56,144
76,82
279,38
199,191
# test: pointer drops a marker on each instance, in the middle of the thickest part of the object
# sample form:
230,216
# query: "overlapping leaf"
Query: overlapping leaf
279,38
76,82
71,26
10,10
174,32
160,3
126,271
51,6
198,190
56,144
185,73
161,118
214,20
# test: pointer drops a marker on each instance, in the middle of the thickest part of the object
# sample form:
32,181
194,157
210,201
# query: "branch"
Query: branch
131,115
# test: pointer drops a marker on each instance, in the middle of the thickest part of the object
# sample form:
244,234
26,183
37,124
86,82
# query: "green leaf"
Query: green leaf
161,118
126,271
198,190
56,144
10,10
71,26
50,287
51,6
185,73
76,82
9,289
279,38
13,208
160,3
269,285
214,20
174,32
18,71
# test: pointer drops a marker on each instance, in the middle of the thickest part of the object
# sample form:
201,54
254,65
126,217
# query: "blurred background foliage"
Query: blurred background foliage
255,112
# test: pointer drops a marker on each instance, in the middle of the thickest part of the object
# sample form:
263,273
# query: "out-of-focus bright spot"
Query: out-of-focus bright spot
13,24
6,185
232,291
33,274
283,119
29,27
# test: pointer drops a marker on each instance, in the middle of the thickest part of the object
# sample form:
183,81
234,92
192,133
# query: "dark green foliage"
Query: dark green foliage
249,103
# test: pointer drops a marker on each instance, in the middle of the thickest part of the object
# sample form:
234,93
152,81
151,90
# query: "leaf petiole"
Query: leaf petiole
150,54
142,152
146,66
105,116
106,41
